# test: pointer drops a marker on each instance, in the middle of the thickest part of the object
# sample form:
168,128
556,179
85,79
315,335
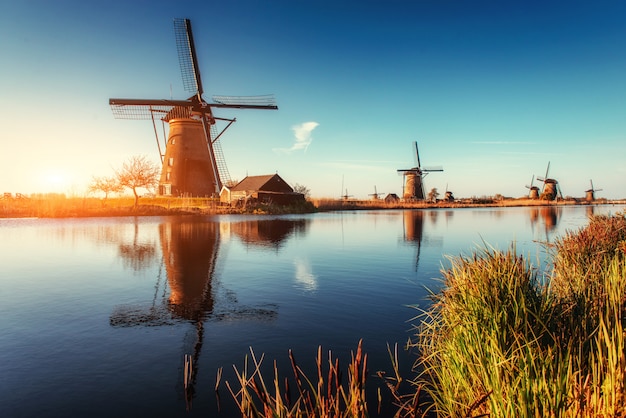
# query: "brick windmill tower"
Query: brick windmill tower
414,178
193,162
551,189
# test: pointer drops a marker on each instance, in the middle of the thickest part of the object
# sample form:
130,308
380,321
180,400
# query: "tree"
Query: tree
433,194
138,172
106,185
299,188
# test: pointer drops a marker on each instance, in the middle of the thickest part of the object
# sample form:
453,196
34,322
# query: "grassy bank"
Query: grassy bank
499,340
59,206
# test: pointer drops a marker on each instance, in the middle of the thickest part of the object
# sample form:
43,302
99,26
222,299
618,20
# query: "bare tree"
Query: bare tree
433,194
299,188
138,172
106,185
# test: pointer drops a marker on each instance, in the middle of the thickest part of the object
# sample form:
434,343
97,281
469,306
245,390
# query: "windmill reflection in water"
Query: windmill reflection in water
548,215
413,227
190,251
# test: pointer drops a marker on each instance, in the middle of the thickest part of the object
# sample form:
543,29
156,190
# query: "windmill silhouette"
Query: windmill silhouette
193,162
551,188
533,190
590,195
414,178
448,196
375,195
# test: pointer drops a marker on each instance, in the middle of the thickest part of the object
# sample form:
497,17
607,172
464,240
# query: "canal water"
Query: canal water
97,315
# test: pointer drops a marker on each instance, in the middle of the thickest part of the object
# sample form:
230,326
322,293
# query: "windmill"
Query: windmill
590,195
375,195
193,162
448,196
534,190
414,178
344,196
550,188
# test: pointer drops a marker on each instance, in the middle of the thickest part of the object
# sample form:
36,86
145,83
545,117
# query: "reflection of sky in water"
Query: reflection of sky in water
327,278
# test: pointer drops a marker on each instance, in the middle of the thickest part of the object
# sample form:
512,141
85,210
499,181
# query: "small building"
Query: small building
392,198
269,188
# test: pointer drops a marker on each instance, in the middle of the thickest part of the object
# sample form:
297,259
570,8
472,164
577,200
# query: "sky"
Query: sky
492,91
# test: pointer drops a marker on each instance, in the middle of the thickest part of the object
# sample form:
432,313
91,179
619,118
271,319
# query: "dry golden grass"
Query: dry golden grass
60,206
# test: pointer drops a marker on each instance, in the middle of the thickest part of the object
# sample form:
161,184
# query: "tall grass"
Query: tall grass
499,342
326,397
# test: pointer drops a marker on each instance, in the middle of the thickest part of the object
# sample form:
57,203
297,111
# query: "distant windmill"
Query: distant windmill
375,195
414,178
550,188
534,190
346,195
193,163
590,195
448,196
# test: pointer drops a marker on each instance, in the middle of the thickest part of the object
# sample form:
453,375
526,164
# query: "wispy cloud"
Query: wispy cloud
303,138
502,143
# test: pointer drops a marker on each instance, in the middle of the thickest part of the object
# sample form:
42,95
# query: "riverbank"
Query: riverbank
78,207
499,340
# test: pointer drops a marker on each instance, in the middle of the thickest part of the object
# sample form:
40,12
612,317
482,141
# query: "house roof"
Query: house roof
255,182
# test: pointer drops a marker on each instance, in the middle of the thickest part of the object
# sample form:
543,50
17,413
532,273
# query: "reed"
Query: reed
325,397
499,341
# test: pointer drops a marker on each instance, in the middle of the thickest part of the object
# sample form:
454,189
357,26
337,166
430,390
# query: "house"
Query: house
392,198
270,188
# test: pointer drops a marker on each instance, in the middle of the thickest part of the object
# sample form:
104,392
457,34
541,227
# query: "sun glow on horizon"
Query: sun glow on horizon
54,180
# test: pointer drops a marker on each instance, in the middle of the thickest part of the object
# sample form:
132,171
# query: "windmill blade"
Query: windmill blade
266,101
433,168
143,109
187,56
417,155
547,170
592,189
543,179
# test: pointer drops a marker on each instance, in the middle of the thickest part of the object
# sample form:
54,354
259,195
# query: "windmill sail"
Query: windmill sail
192,82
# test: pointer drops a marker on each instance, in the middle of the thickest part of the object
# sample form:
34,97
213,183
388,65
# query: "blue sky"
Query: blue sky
491,90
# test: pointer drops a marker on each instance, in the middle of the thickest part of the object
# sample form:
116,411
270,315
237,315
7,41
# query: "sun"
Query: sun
55,180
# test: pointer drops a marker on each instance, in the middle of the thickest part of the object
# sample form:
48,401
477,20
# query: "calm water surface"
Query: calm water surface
96,315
